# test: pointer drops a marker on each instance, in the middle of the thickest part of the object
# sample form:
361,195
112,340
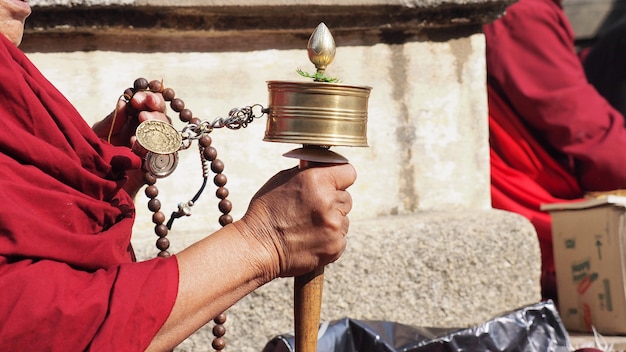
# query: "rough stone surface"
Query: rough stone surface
202,26
426,269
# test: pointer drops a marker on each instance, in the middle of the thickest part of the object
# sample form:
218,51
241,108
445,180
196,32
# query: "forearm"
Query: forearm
215,273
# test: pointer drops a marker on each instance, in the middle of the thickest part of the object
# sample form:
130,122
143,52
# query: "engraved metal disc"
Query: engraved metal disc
161,165
158,137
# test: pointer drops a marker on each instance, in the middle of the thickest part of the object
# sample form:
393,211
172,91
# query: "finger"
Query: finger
148,101
343,176
153,115
344,202
341,243
118,117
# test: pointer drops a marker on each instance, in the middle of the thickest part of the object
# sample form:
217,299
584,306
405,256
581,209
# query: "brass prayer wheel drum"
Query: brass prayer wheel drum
317,113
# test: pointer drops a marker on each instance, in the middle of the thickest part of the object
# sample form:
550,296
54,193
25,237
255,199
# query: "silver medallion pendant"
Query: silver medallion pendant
161,165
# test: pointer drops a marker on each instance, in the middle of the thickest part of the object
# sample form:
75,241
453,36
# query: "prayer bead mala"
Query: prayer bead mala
208,153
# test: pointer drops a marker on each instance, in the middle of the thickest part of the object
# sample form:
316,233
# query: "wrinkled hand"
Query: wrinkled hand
145,106
299,219
119,127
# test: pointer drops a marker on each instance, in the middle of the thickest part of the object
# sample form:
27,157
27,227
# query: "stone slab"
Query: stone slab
432,269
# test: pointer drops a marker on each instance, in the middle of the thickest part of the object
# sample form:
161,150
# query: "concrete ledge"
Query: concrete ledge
198,26
426,269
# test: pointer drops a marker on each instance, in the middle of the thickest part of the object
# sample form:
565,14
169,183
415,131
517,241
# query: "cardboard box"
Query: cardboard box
589,252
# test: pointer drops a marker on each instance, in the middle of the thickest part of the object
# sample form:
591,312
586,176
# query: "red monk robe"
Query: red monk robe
552,136
67,278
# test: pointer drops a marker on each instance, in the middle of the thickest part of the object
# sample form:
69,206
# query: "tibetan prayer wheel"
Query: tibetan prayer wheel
318,115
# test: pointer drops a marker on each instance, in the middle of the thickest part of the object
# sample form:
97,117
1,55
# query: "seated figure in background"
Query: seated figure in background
553,137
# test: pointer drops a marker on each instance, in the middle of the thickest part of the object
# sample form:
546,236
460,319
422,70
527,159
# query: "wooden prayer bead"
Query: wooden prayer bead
226,219
154,205
217,166
161,230
158,217
168,94
128,93
225,206
140,84
163,243
149,178
185,115
221,193
220,319
155,86
219,343
220,180
177,105
219,330
205,141
210,153
152,191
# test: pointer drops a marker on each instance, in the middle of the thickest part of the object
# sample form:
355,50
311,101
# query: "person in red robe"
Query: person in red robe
68,281
553,137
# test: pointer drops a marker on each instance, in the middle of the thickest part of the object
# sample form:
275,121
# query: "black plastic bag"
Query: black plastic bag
533,328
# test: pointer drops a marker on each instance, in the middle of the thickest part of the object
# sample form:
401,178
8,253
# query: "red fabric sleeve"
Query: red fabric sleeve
50,306
531,60
67,277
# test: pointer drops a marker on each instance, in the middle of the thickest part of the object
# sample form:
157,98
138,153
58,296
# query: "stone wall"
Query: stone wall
425,247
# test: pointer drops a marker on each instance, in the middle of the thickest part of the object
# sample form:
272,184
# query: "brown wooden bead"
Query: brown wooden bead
225,206
149,178
217,166
164,254
185,115
226,219
220,180
220,319
219,330
154,205
161,230
210,153
155,86
140,84
152,191
195,121
158,217
168,94
177,104
205,141
128,93
222,193
219,343
163,243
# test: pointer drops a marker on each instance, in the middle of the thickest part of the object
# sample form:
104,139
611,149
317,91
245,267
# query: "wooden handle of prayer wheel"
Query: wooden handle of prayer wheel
308,288
307,309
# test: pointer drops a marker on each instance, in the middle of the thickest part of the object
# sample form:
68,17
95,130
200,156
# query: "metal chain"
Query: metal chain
237,118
